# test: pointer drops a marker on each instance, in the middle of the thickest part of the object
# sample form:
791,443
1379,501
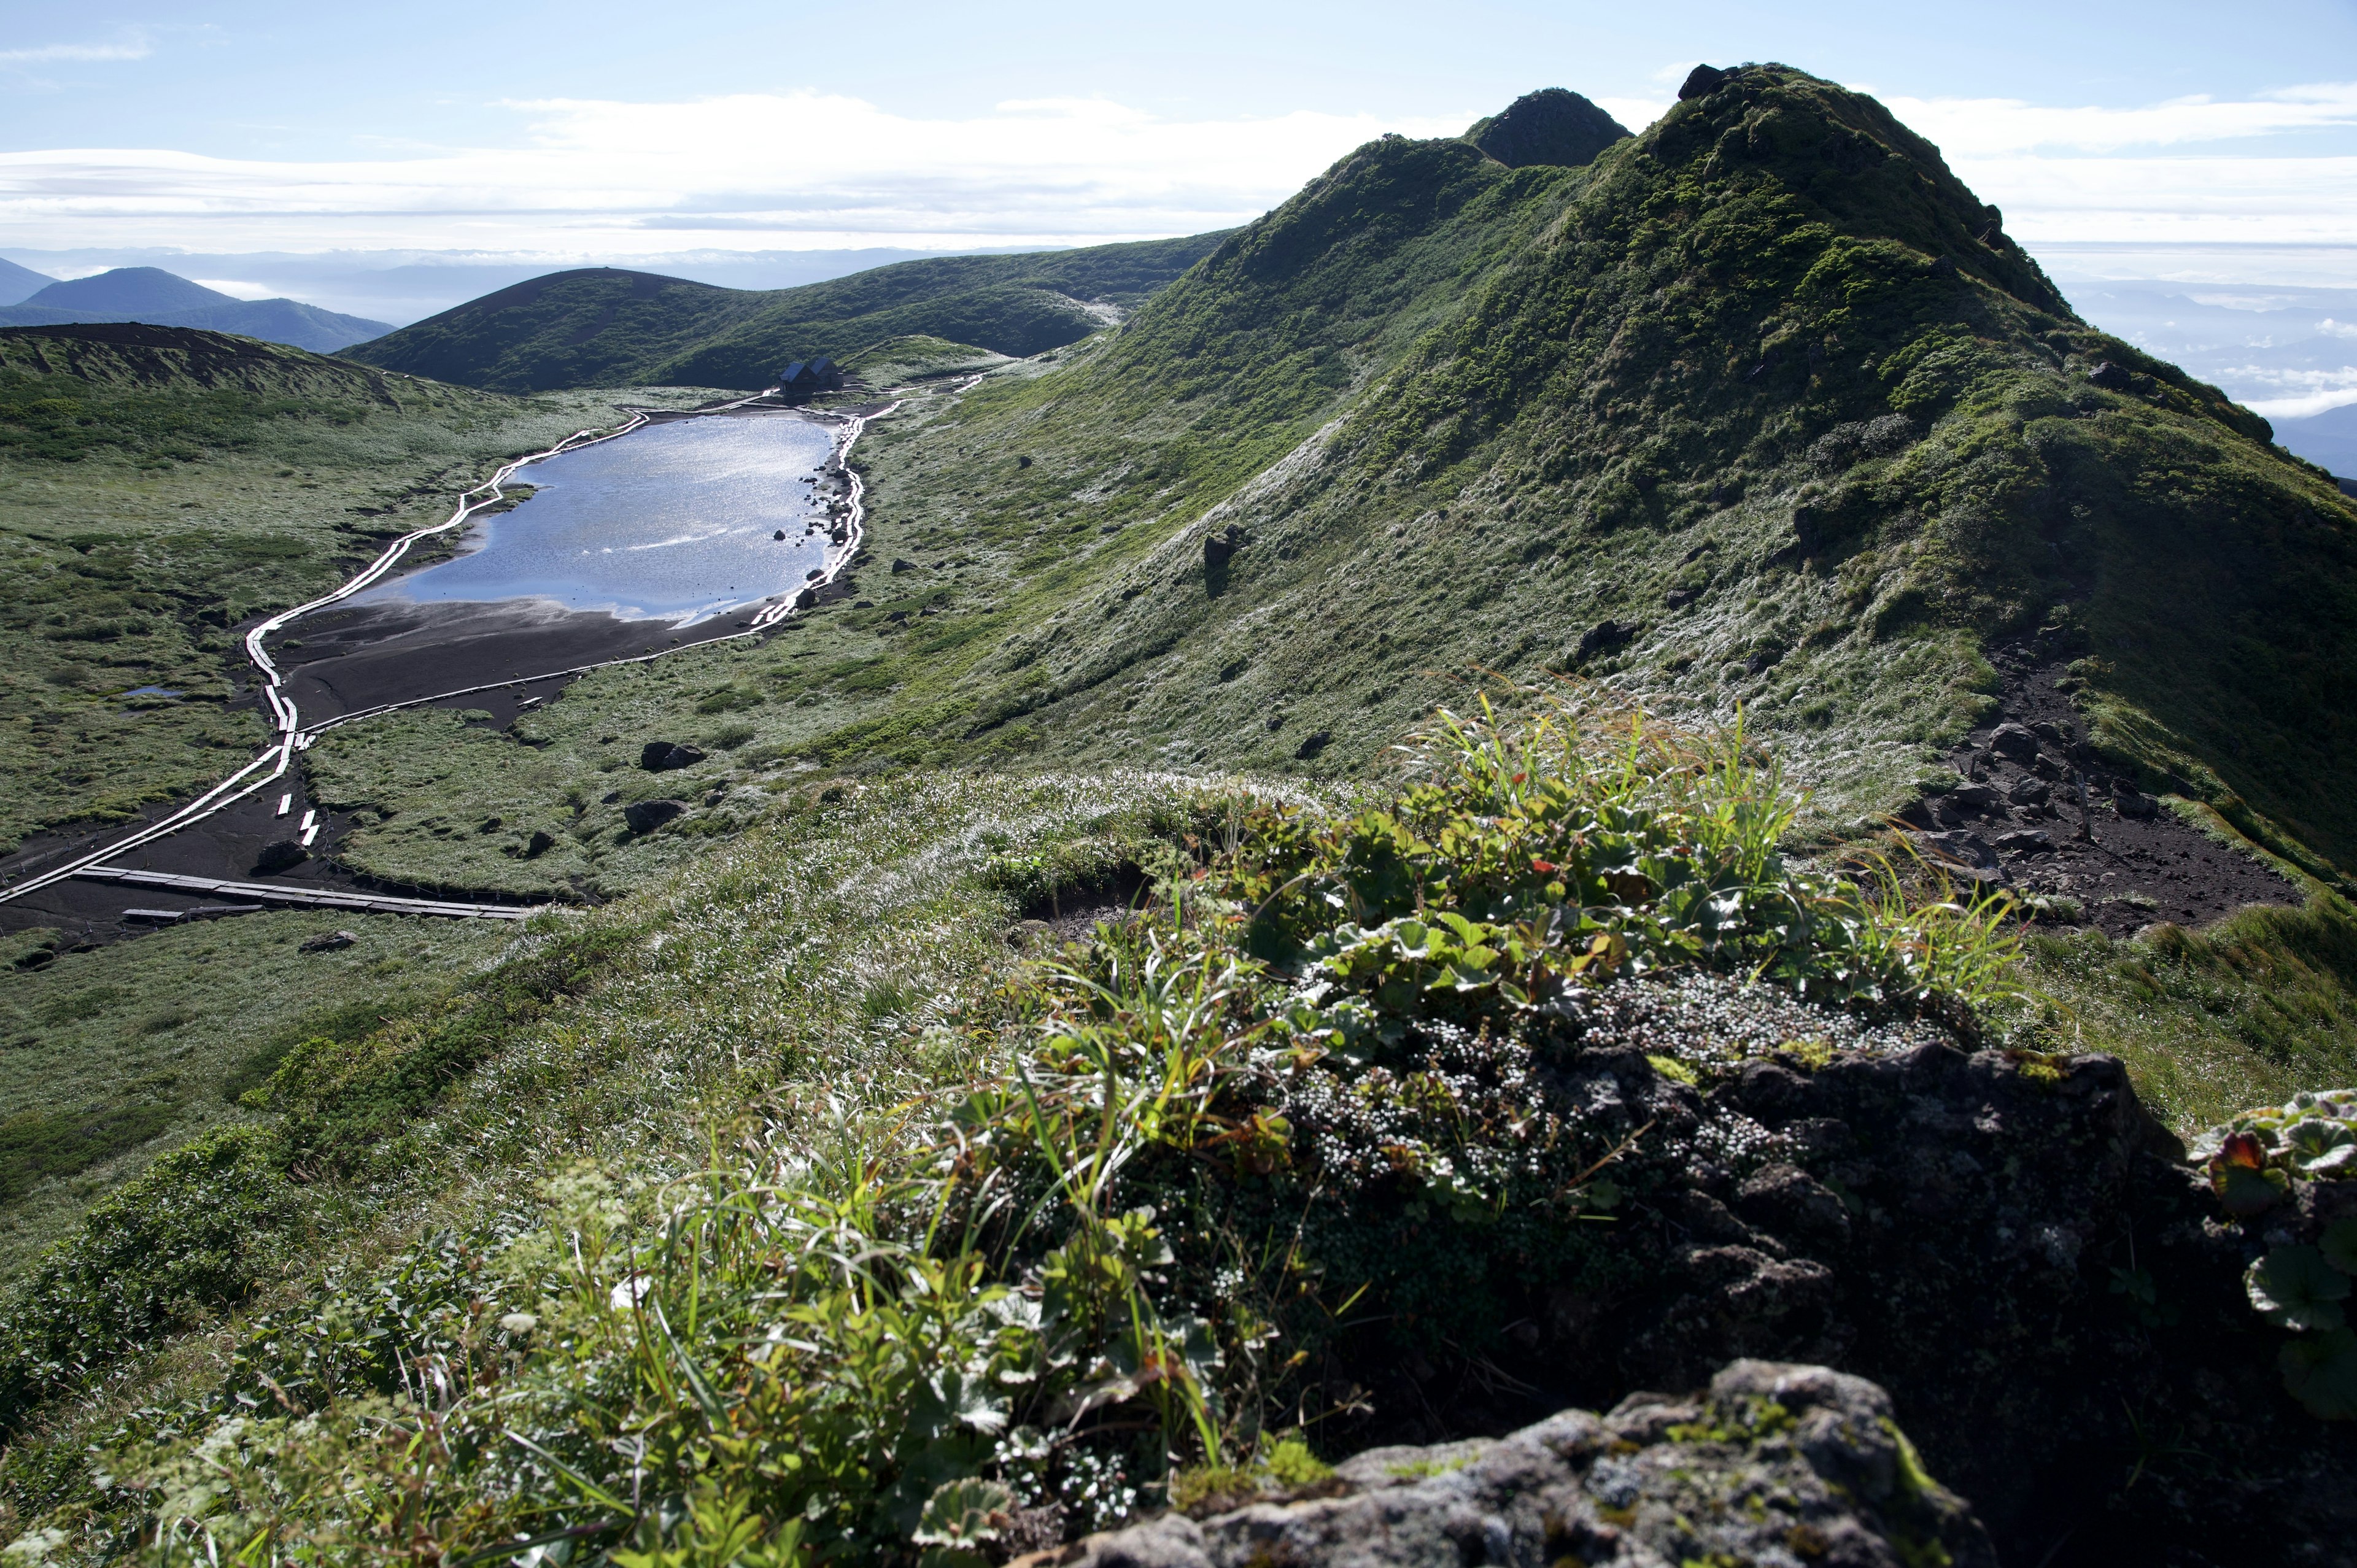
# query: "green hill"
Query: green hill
1759,416
603,326
1761,411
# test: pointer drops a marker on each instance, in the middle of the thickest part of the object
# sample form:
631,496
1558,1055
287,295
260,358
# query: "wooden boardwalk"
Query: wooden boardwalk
321,897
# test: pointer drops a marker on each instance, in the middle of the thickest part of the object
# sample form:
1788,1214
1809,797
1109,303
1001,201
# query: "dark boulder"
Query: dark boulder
2131,802
1604,637
664,756
2029,792
1702,81
2111,377
2017,742
279,854
646,816
1974,800
541,843
1551,126
326,941
1314,744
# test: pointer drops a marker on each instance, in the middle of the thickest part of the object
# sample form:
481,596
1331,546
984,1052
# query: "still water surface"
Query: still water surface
671,523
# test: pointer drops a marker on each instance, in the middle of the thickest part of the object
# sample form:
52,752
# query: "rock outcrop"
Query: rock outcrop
1776,1464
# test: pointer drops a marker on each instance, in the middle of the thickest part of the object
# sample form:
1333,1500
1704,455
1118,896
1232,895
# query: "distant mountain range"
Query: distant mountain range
19,283
608,327
166,299
2327,439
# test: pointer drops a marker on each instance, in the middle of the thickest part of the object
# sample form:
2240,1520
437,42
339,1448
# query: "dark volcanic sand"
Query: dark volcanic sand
366,656
2135,874
225,845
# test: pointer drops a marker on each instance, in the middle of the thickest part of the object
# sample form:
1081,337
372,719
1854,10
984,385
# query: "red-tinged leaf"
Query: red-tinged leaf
1544,867
2243,1149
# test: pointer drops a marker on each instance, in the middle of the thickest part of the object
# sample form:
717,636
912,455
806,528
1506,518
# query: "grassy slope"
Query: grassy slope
605,325
113,1056
1468,416
153,496
1514,348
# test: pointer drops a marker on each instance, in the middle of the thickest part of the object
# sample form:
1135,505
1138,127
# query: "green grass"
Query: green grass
2211,1023
109,1057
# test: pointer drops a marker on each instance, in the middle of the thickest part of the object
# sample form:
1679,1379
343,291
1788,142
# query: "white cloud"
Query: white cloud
136,47
748,171
2276,200
1991,127
2308,405
236,288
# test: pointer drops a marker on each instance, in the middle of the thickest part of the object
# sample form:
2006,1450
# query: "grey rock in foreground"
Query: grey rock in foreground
1777,1464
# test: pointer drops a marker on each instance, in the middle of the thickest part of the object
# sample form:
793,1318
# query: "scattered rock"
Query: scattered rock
2055,734
541,843
1315,744
1678,596
1604,637
662,756
1974,800
2029,792
328,941
2133,804
2111,377
278,855
2015,741
646,816
898,566
1658,1480
1966,849
779,534
2023,840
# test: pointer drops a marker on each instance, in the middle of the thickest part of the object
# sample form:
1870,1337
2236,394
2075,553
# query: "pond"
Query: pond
676,521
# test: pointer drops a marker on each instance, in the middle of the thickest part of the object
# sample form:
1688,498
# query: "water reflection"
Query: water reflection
673,523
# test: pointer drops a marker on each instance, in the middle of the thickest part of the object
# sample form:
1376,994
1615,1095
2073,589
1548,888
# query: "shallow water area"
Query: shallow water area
675,521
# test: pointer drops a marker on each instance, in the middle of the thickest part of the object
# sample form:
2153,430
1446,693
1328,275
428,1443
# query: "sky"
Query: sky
2121,140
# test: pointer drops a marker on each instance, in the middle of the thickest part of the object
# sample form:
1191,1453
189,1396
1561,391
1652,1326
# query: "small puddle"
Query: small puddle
677,521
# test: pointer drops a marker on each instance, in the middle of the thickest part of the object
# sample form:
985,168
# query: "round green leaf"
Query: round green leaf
2320,1372
2338,1244
2294,1287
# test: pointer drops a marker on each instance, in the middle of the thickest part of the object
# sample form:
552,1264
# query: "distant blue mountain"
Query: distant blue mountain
18,283
166,299
2327,439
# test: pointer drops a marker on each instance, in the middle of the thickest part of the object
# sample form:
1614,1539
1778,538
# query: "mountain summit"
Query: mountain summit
1552,127
159,298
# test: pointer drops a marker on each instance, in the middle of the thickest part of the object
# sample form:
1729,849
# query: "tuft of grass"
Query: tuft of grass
2211,1023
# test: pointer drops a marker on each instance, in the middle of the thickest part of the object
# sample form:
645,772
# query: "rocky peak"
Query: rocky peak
1550,126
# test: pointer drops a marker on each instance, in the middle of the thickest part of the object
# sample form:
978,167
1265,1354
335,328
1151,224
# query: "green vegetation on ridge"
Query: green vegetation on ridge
605,327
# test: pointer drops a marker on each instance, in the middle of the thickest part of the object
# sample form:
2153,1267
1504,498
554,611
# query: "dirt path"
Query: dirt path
2014,820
